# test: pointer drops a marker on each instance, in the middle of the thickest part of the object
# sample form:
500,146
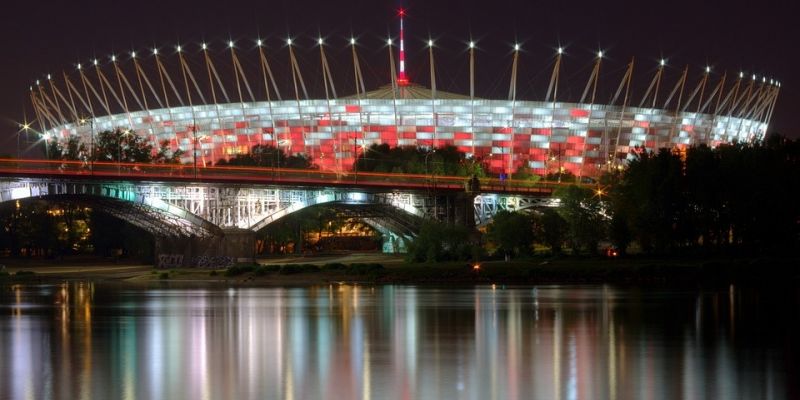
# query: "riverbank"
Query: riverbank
381,269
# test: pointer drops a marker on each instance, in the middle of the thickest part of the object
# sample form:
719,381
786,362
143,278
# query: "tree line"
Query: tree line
732,199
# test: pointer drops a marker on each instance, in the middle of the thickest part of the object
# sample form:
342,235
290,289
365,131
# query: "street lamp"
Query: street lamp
91,141
194,147
126,132
433,179
22,127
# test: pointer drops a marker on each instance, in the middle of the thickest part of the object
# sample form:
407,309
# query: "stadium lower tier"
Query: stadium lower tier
545,137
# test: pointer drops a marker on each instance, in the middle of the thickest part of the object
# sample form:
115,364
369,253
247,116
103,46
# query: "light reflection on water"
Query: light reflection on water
86,341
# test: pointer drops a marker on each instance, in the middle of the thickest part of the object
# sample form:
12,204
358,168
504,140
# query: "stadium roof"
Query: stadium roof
411,91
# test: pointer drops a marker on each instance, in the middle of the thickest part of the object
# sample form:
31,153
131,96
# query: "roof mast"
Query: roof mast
402,80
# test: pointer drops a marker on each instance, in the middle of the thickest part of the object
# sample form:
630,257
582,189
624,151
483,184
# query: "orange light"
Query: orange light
476,267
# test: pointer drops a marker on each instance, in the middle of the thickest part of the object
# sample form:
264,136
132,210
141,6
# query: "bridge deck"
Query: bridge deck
264,176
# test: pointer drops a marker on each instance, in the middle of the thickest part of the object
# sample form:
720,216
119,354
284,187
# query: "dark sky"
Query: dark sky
40,37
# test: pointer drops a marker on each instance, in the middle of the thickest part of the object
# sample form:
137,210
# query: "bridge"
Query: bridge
196,210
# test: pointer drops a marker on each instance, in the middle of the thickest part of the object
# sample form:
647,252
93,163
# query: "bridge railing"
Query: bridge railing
264,175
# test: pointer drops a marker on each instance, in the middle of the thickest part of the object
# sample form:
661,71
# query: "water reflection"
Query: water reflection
84,341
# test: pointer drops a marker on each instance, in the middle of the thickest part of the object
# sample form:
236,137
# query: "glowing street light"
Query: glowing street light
516,47
259,42
203,46
288,41
319,41
600,54
352,41
471,44
389,41
155,51
663,62
230,44
430,43
179,48
708,69
560,50
133,54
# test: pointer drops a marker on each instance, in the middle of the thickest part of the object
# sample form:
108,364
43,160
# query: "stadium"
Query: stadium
213,106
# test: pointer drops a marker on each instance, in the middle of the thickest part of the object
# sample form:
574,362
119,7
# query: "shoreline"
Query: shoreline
645,271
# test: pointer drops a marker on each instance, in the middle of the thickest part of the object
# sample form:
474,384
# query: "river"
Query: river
94,341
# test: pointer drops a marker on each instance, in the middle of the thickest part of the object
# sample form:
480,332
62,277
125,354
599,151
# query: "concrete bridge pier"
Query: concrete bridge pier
455,209
234,245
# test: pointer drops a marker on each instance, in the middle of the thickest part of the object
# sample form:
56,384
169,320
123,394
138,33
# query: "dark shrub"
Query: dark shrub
240,269
365,269
334,267
289,269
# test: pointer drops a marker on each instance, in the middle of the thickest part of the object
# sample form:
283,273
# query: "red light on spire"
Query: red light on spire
402,80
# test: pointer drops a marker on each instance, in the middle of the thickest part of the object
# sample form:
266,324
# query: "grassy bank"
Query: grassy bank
568,270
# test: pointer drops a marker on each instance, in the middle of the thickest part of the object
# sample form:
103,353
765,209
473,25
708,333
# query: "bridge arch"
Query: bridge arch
118,199
337,197
488,204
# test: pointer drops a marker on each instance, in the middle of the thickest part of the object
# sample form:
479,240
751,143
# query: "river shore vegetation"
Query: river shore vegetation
736,200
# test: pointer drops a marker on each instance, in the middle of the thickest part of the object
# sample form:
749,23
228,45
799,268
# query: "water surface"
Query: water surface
87,341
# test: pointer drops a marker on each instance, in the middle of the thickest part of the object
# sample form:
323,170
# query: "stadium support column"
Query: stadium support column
732,93
656,82
266,73
120,78
327,81
512,97
211,69
139,74
433,93
358,79
592,83
553,88
717,92
297,76
680,84
472,93
54,103
239,73
772,104
626,80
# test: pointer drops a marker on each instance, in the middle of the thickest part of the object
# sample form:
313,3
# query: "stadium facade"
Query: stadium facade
584,137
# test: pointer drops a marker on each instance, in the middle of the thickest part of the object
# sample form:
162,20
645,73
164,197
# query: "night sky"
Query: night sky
41,37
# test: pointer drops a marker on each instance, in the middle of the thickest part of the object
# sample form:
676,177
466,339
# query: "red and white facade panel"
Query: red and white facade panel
506,135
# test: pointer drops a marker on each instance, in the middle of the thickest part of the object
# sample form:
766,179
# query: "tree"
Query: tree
166,155
446,160
269,157
549,226
70,149
582,211
437,241
122,146
512,233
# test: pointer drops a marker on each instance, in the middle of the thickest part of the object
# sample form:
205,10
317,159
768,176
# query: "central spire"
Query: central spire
402,80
